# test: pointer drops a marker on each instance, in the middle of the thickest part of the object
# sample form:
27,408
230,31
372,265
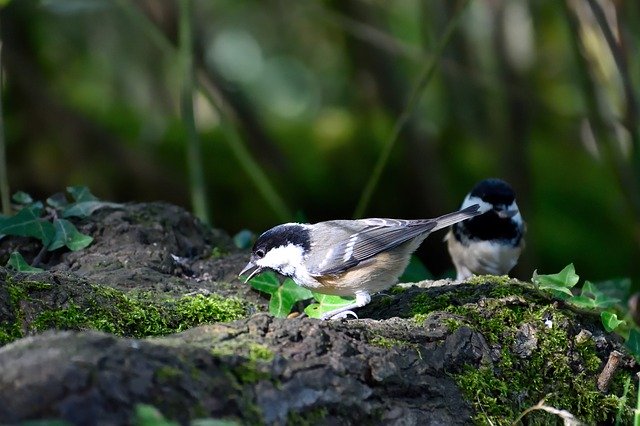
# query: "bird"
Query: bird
489,243
346,257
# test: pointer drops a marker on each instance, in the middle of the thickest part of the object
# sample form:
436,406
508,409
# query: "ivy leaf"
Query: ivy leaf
583,302
81,193
326,303
22,197
610,321
27,223
285,297
633,342
415,272
592,297
86,208
58,200
561,282
68,235
267,282
17,262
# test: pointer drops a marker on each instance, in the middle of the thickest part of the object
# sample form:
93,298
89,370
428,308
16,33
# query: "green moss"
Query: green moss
387,343
167,374
494,279
308,417
395,290
218,252
109,310
18,292
561,372
258,352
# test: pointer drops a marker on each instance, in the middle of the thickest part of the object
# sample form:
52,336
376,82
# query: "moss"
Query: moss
258,352
167,373
387,343
494,279
395,290
561,372
218,252
308,417
17,292
109,310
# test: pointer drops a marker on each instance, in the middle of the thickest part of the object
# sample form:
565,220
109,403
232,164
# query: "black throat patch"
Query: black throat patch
487,227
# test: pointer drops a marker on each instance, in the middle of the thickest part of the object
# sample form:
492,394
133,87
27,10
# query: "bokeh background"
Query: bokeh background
296,102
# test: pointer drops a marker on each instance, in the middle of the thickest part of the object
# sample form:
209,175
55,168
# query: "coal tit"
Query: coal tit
490,243
346,257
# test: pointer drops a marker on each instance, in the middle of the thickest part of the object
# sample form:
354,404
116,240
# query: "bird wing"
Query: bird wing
366,238
359,240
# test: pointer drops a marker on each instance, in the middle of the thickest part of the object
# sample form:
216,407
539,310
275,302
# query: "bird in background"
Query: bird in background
489,243
346,257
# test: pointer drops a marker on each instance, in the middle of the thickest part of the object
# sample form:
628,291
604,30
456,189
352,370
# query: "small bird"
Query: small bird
489,243
346,257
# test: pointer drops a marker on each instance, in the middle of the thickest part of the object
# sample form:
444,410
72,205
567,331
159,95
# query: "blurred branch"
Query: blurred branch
194,151
4,178
231,133
602,129
631,118
425,76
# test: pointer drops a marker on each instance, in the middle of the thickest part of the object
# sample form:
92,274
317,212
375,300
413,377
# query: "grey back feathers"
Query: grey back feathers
346,243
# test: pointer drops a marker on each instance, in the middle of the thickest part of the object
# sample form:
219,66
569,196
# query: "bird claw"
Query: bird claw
340,315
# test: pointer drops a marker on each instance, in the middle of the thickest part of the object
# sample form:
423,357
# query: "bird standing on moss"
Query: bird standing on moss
346,257
490,243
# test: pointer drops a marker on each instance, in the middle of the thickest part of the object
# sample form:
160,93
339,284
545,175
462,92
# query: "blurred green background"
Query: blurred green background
294,103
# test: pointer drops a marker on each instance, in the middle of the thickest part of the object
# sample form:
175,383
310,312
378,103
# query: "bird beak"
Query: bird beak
506,214
252,274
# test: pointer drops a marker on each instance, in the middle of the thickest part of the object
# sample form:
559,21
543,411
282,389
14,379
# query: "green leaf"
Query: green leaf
86,208
266,282
416,271
148,415
58,200
326,303
561,282
285,297
633,342
22,197
17,262
81,193
27,223
582,302
68,235
610,321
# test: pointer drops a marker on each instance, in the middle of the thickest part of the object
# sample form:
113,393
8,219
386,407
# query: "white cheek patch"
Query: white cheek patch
284,259
517,218
469,201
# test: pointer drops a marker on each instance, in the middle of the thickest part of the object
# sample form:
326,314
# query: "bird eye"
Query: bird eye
260,253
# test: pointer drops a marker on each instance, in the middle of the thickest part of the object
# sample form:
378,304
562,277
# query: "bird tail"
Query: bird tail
447,220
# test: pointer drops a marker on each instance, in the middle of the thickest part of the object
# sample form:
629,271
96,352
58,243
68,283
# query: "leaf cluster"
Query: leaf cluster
286,294
602,297
49,222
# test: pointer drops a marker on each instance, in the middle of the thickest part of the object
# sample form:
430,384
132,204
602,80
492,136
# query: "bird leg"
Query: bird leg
362,298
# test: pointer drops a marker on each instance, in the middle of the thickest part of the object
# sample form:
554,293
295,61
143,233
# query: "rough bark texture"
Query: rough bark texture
412,358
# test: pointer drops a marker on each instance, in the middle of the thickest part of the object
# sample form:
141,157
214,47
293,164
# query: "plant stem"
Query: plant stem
231,134
4,177
416,94
194,151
